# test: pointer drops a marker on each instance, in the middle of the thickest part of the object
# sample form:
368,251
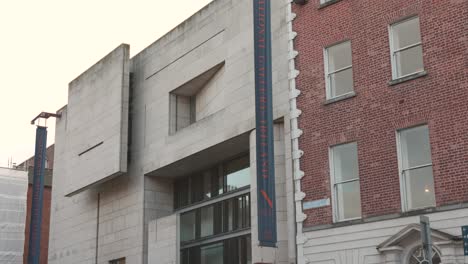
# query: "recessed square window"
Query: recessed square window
406,48
339,70
182,112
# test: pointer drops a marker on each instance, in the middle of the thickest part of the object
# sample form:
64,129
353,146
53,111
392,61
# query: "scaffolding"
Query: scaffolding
13,204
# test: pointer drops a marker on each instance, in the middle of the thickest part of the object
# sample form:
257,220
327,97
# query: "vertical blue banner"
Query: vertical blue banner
266,199
37,196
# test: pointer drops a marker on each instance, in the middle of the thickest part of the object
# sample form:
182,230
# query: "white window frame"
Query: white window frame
328,74
334,184
401,170
393,52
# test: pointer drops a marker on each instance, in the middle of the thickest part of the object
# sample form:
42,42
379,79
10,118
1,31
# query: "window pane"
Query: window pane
409,61
345,162
249,249
406,33
238,173
185,257
206,221
183,112
247,210
218,218
182,193
341,82
230,215
339,56
415,147
196,188
187,226
240,214
349,200
220,181
232,251
212,254
207,188
420,188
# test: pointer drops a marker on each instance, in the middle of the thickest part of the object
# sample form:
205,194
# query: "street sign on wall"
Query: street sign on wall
264,125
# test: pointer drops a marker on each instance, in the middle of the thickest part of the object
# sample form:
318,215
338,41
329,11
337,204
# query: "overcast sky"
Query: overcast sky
46,44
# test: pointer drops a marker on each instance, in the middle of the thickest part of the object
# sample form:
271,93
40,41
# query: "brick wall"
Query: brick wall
45,225
371,118
49,159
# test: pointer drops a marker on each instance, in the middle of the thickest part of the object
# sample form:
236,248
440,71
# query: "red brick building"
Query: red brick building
29,165
384,101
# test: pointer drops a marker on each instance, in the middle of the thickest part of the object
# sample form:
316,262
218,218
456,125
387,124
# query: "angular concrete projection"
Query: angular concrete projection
97,122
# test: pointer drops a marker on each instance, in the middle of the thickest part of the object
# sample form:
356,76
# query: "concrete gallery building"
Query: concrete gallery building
155,154
384,90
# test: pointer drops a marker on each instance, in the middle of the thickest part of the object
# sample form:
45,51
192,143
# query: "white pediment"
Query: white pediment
407,236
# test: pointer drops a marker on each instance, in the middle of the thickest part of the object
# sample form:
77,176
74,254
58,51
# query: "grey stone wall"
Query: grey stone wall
123,223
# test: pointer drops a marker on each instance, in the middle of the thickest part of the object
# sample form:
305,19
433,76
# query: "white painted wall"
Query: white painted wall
356,244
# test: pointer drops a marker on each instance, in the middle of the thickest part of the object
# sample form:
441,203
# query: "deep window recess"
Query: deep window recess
406,48
182,112
219,218
345,180
230,251
222,178
339,70
415,162
117,261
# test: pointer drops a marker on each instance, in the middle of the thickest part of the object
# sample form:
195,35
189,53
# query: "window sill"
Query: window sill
348,221
331,2
407,78
340,98
373,219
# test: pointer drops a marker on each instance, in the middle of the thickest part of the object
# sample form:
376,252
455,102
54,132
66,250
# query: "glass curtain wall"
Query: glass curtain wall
217,233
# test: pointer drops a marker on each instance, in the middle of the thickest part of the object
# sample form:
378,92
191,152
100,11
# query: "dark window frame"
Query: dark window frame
221,218
235,250
195,184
